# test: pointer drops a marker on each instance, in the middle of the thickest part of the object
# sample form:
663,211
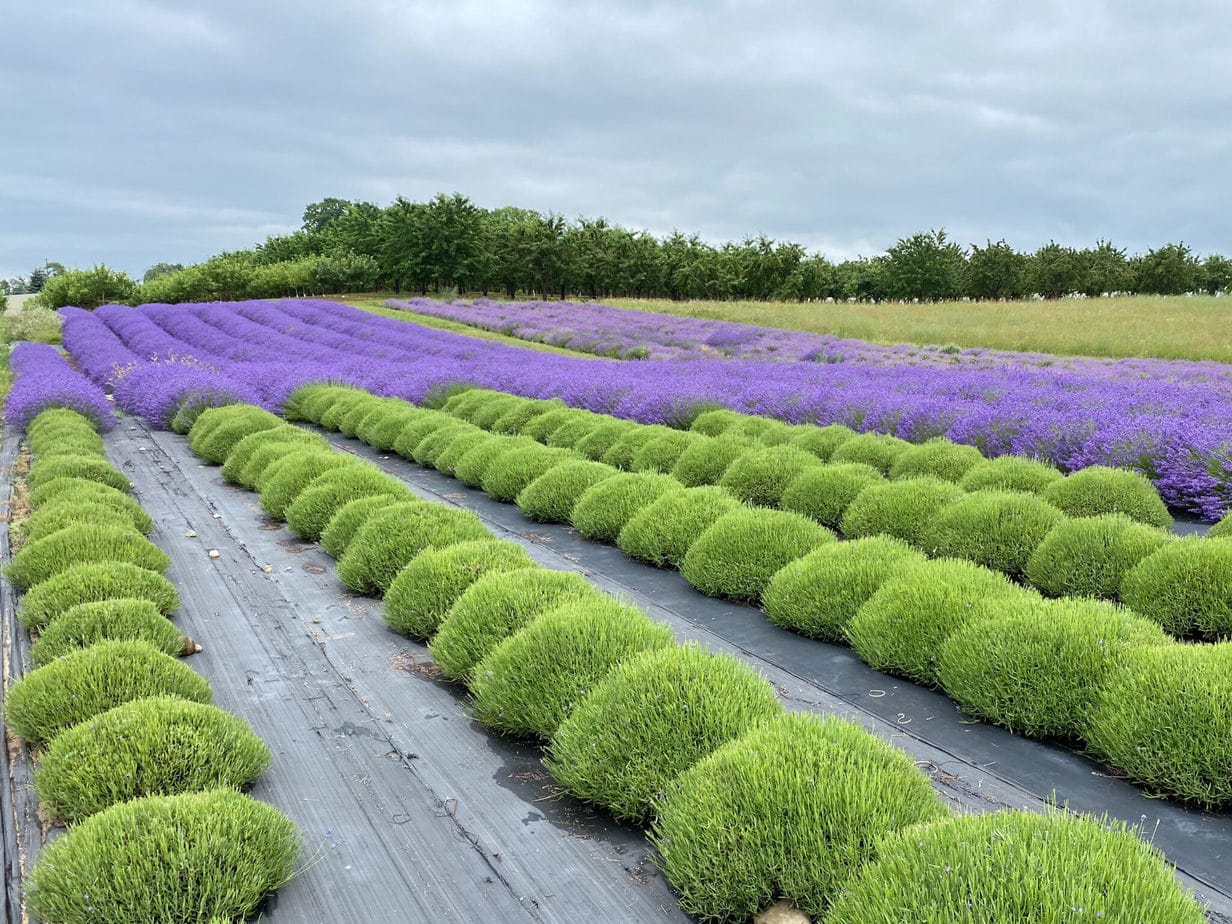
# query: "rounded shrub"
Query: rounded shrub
1035,666
997,529
464,403
541,427
88,468
513,471
1010,867
766,431
550,498
287,436
596,444
211,418
650,719
210,856
473,464
938,458
344,524
821,441
603,510
51,518
1089,556
84,683
1164,715
414,433
1010,473
77,490
824,492
309,401
1096,490
93,581
123,619
58,418
1185,586
348,423
706,461
158,746
740,553
282,482
663,531
422,594
713,423
529,683
391,537
879,450
1222,529
494,407
791,809
380,414
575,428
83,439
217,445
270,454
325,495
83,543
382,427
512,421
662,453
760,476
902,627
818,594
331,418
631,442
494,608
460,444
902,509
437,440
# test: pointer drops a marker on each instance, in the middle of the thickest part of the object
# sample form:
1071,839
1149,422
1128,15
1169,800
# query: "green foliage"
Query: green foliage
494,406
413,433
1222,529
216,445
596,444
122,619
716,422
326,494
925,266
821,441
760,476
429,449
511,472
90,582
309,402
210,856
1011,867
902,627
1185,586
1089,556
422,594
87,468
530,682
1035,666
662,453
550,498
514,421
162,745
791,809
343,403
494,608
706,461
391,537
663,531
1164,716
283,481
351,516
902,509
740,553
84,683
55,516
473,464
876,449
543,425
824,492
88,288
44,558
287,437
70,491
818,594
938,458
381,428
603,510
348,423
1098,490
633,441
1010,473
573,431
997,529
649,720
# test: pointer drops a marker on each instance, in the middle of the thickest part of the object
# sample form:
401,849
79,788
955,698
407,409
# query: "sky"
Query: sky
138,131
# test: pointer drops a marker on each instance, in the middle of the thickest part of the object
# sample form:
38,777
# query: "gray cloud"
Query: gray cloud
141,131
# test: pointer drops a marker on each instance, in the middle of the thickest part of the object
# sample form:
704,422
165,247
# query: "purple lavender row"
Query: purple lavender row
1175,428
44,379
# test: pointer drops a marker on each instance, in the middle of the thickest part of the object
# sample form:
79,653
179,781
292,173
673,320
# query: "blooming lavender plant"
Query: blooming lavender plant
44,379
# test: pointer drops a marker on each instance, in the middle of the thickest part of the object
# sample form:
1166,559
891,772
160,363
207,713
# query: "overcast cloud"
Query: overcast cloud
138,131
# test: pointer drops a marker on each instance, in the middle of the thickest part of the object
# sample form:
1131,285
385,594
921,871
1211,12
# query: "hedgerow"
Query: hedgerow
84,683
87,583
596,444
879,450
1185,586
494,608
938,458
650,719
236,465
791,809
530,682
352,515
513,471
663,531
1089,556
1097,490
158,746
281,483
53,517
661,453
997,529
1010,473
760,476
824,493
631,442
818,594
460,444
1164,715
43,559
550,498
821,441
473,464
391,537
902,509
1010,867
603,510
740,553
902,627
123,619
325,495
89,468
423,592
1035,666
209,856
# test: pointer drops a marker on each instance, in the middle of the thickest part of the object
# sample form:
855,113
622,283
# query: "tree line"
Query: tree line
448,246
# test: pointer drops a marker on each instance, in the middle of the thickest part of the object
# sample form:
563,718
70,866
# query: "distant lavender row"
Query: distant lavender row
1175,426
44,379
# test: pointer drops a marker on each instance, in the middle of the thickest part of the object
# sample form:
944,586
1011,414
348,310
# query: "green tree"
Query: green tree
320,215
925,266
1169,270
1102,269
161,269
996,271
1054,271
87,288
1216,274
